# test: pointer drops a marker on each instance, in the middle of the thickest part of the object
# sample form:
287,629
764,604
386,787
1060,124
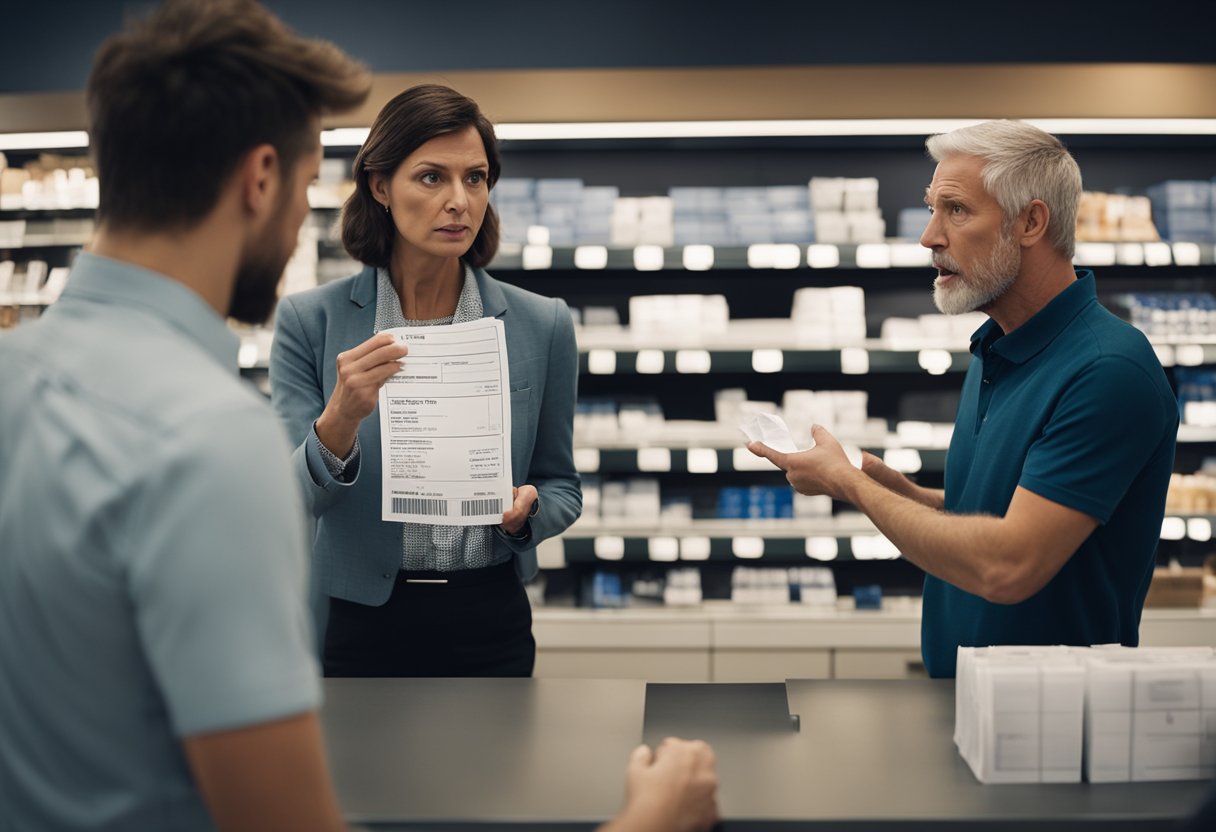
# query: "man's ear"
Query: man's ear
1032,223
261,178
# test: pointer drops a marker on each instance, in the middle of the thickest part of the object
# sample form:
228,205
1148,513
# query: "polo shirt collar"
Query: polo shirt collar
104,280
1032,337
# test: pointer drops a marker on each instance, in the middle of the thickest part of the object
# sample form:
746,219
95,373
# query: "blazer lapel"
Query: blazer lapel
493,301
363,288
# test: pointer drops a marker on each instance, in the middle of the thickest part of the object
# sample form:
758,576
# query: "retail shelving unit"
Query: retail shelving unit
615,363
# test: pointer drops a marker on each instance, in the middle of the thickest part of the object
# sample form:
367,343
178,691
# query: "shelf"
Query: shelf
772,345
47,241
890,254
16,206
1196,433
706,460
848,536
1181,525
843,537
853,628
791,256
702,360
848,361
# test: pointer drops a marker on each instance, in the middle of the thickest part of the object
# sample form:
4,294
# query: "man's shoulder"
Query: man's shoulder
131,409
148,374
1104,335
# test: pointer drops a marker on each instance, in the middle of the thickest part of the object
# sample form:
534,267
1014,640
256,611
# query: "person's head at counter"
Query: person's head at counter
422,185
210,123
1004,203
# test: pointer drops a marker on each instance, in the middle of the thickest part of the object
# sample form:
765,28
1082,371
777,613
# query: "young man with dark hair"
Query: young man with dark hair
156,665
156,669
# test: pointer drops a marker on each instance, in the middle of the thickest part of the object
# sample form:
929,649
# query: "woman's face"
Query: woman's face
438,195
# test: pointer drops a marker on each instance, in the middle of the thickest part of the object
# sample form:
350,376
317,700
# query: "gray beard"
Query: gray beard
984,284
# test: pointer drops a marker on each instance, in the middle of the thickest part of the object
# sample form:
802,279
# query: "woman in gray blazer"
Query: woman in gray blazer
408,599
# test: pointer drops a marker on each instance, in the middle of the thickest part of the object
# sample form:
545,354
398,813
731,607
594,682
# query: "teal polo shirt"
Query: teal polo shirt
1074,406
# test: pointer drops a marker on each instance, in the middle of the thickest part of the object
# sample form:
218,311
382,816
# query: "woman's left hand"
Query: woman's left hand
521,508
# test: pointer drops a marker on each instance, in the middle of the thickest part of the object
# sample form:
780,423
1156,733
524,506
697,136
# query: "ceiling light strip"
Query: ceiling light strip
355,136
61,140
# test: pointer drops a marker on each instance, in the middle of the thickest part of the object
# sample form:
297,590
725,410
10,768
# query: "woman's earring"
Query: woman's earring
386,208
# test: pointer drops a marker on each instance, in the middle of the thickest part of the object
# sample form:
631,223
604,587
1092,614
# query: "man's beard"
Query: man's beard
983,284
255,292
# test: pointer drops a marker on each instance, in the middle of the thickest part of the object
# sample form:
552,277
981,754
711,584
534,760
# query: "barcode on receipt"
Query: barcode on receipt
468,508
417,505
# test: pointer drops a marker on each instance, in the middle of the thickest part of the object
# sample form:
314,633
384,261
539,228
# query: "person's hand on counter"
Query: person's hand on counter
671,789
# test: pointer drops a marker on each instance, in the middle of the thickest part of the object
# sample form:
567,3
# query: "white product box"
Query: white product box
831,227
819,505
861,195
867,227
613,497
591,497
642,503
1018,714
827,193
1150,715
683,587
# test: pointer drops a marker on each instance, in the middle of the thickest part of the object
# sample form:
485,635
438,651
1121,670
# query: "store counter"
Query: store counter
723,641
550,753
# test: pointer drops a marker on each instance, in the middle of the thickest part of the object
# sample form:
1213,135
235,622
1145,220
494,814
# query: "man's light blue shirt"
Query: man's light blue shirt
152,572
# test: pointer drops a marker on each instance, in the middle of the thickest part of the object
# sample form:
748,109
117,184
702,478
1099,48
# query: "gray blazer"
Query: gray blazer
356,554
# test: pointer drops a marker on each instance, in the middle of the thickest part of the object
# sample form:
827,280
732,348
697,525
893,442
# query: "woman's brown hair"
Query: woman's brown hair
407,122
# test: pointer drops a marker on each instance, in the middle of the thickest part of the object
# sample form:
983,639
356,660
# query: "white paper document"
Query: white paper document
445,426
769,429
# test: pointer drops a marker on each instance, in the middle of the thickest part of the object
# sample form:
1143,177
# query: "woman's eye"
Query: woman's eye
476,178
430,178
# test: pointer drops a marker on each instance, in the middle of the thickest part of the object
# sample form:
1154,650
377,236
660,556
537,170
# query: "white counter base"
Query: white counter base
725,642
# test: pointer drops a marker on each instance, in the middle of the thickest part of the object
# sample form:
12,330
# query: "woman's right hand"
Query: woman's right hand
362,371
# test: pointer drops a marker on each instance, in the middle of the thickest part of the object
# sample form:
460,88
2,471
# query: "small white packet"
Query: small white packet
771,430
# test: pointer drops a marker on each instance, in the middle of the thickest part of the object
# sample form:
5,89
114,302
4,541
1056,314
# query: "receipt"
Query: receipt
771,430
445,426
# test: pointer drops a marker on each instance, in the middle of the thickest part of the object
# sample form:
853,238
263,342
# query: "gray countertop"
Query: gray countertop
523,753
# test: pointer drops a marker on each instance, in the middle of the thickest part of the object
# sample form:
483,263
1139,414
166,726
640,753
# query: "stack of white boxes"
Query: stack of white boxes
558,202
595,215
635,502
829,317
763,586
816,586
642,221
741,216
1150,714
1018,714
514,199
682,588
683,317
846,210
1116,714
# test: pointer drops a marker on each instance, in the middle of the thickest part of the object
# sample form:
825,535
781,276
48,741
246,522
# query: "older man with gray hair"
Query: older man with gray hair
1047,528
